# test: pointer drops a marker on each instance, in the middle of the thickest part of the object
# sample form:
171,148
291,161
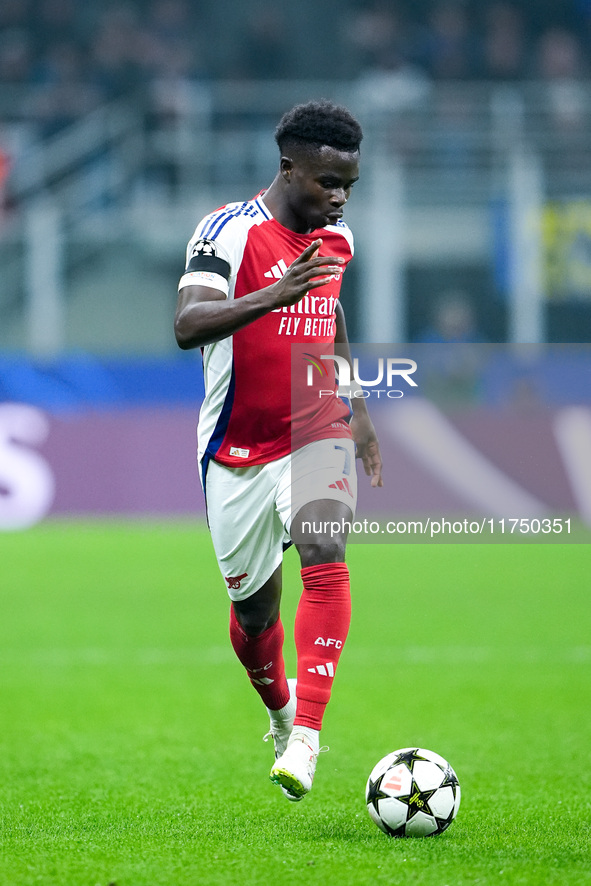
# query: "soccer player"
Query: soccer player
261,275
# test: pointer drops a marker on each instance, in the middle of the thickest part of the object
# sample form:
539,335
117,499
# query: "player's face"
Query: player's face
319,186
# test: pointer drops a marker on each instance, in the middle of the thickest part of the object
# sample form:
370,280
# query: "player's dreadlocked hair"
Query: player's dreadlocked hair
317,124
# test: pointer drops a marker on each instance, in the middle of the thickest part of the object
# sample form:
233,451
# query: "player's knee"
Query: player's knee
330,551
253,619
255,624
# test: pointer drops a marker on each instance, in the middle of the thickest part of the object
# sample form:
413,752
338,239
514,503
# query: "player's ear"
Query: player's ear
286,168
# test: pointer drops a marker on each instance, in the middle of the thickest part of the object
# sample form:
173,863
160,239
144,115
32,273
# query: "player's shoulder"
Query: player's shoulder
231,217
342,230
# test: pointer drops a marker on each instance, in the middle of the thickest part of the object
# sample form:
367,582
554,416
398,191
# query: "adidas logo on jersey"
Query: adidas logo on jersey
325,670
277,271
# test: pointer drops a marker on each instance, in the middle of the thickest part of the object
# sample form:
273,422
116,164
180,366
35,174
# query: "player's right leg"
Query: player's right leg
248,538
256,633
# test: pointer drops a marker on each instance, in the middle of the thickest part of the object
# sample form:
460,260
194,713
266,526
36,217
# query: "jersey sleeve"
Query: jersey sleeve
214,252
206,265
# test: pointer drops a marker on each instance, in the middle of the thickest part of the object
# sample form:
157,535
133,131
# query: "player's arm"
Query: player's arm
205,315
364,434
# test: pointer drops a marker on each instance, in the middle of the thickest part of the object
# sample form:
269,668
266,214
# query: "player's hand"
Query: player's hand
367,448
308,271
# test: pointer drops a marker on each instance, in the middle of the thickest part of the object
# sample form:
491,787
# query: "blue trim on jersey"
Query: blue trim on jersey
347,402
207,232
221,219
204,465
219,432
208,220
263,209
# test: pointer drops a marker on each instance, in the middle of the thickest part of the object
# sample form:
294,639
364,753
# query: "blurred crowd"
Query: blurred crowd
60,59
67,57
498,40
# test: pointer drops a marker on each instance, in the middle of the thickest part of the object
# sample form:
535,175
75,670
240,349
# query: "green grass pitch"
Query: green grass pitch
130,739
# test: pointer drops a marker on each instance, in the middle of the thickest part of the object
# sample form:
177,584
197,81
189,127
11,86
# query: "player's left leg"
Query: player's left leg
321,627
324,611
319,529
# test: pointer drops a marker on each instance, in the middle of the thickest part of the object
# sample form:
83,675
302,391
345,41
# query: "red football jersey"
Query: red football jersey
249,415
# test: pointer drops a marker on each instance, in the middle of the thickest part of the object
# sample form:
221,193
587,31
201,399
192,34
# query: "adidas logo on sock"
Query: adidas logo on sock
325,670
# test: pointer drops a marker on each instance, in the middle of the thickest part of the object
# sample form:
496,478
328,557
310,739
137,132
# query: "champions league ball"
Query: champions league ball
413,793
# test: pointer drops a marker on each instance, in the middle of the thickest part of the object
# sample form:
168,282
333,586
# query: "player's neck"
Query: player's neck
275,199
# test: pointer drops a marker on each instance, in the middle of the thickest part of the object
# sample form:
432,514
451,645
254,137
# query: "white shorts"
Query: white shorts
249,510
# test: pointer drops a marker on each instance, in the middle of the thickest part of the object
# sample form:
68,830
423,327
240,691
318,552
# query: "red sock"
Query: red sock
262,657
321,627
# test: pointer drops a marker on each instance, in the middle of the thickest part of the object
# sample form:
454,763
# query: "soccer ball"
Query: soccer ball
413,793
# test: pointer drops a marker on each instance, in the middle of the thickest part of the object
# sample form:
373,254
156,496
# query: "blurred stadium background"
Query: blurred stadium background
122,123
